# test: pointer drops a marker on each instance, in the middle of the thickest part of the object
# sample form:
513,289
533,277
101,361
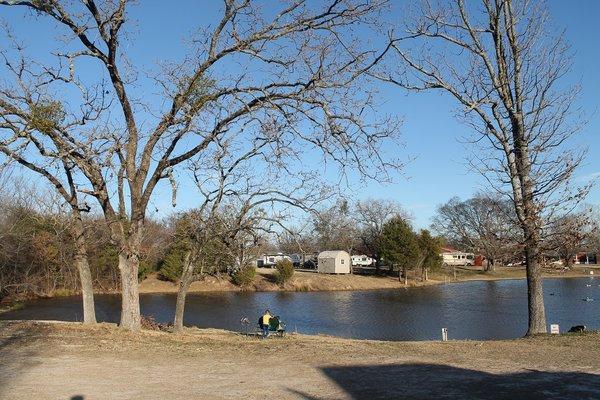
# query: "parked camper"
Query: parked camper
453,257
269,260
457,258
334,262
362,261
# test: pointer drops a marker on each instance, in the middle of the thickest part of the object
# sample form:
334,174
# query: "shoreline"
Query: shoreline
314,282
400,286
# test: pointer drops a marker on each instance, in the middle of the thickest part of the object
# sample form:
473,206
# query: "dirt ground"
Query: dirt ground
70,361
311,281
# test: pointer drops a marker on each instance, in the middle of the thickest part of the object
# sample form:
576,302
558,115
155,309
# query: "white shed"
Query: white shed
333,262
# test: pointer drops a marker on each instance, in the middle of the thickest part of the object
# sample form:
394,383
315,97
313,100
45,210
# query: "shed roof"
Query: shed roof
332,253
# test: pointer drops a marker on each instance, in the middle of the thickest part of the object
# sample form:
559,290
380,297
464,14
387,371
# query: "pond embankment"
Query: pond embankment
72,361
310,281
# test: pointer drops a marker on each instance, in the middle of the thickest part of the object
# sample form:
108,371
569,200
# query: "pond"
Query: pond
470,310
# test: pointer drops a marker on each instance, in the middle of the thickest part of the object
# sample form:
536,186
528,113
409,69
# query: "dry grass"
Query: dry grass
58,361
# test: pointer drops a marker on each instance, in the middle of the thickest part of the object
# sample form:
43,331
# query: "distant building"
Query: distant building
333,262
453,257
362,260
585,258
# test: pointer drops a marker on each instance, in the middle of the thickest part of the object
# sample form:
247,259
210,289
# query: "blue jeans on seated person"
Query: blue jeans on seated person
265,330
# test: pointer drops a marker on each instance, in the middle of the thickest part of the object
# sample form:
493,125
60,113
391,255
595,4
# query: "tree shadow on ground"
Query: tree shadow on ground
432,381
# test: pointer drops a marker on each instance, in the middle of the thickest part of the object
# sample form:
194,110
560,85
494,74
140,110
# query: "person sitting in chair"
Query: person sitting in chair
276,325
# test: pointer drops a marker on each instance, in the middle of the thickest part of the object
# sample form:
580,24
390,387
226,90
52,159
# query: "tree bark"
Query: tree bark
184,285
85,275
130,299
180,306
535,294
491,266
530,217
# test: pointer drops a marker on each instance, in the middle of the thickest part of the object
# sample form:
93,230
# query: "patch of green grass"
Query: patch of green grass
15,305
63,293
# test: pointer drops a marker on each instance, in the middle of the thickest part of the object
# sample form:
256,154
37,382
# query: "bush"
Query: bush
172,265
145,268
285,271
244,276
149,323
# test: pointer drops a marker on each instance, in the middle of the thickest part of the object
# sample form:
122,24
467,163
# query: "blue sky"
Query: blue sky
430,132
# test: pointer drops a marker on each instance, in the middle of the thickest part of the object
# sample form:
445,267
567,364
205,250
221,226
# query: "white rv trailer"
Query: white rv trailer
269,260
362,261
457,258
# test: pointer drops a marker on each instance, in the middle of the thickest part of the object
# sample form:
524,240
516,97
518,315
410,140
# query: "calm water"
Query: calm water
471,310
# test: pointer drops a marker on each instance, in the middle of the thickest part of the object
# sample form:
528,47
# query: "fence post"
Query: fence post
444,334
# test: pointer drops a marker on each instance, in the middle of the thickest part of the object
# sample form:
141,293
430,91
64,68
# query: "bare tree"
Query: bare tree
297,239
335,228
68,193
300,70
371,216
592,242
238,207
482,225
37,251
502,63
568,235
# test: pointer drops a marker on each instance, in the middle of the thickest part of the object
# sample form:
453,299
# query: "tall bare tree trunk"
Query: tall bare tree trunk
130,298
85,275
180,306
535,294
184,285
531,231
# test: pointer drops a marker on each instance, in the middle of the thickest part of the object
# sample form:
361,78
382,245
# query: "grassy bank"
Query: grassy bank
13,306
61,361
311,281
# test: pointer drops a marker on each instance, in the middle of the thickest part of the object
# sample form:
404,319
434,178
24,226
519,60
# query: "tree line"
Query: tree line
490,227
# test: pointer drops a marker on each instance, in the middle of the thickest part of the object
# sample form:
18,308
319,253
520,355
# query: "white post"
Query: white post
554,329
444,334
